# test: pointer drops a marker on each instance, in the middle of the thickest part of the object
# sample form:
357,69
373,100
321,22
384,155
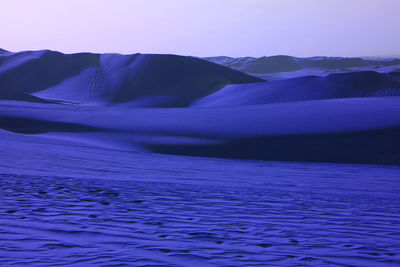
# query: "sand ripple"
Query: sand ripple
69,221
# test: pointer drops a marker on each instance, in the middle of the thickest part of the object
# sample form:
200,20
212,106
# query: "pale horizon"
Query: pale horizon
235,28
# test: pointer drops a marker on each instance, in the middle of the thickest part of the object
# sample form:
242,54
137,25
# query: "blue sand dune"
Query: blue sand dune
115,101
6,94
362,130
110,160
150,80
275,64
344,85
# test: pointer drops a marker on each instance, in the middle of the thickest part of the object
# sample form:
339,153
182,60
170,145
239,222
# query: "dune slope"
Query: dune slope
362,130
344,85
18,96
113,78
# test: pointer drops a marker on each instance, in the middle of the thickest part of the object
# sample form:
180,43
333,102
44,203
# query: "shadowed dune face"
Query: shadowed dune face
353,130
185,78
341,63
18,96
368,147
272,64
335,63
33,71
35,126
113,79
396,75
344,85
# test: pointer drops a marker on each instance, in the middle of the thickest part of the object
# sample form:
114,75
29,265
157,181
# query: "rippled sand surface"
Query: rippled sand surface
71,205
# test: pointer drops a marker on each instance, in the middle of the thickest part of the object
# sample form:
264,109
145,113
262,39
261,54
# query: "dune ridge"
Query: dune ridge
283,63
112,78
343,85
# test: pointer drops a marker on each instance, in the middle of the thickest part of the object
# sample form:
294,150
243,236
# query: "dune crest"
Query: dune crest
282,63
113,79
343,85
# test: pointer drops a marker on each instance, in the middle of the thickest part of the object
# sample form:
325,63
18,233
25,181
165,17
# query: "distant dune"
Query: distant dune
260,65
185,105
275,64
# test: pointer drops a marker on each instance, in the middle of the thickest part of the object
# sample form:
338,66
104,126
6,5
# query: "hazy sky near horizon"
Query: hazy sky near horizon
204,27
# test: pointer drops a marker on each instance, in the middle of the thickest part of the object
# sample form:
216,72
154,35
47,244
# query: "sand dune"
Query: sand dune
260,65
275,64
114,100
33,71
346,85
88,176
153,80
18,96
362,130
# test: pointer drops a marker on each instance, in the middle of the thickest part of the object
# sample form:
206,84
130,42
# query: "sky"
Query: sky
204,27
